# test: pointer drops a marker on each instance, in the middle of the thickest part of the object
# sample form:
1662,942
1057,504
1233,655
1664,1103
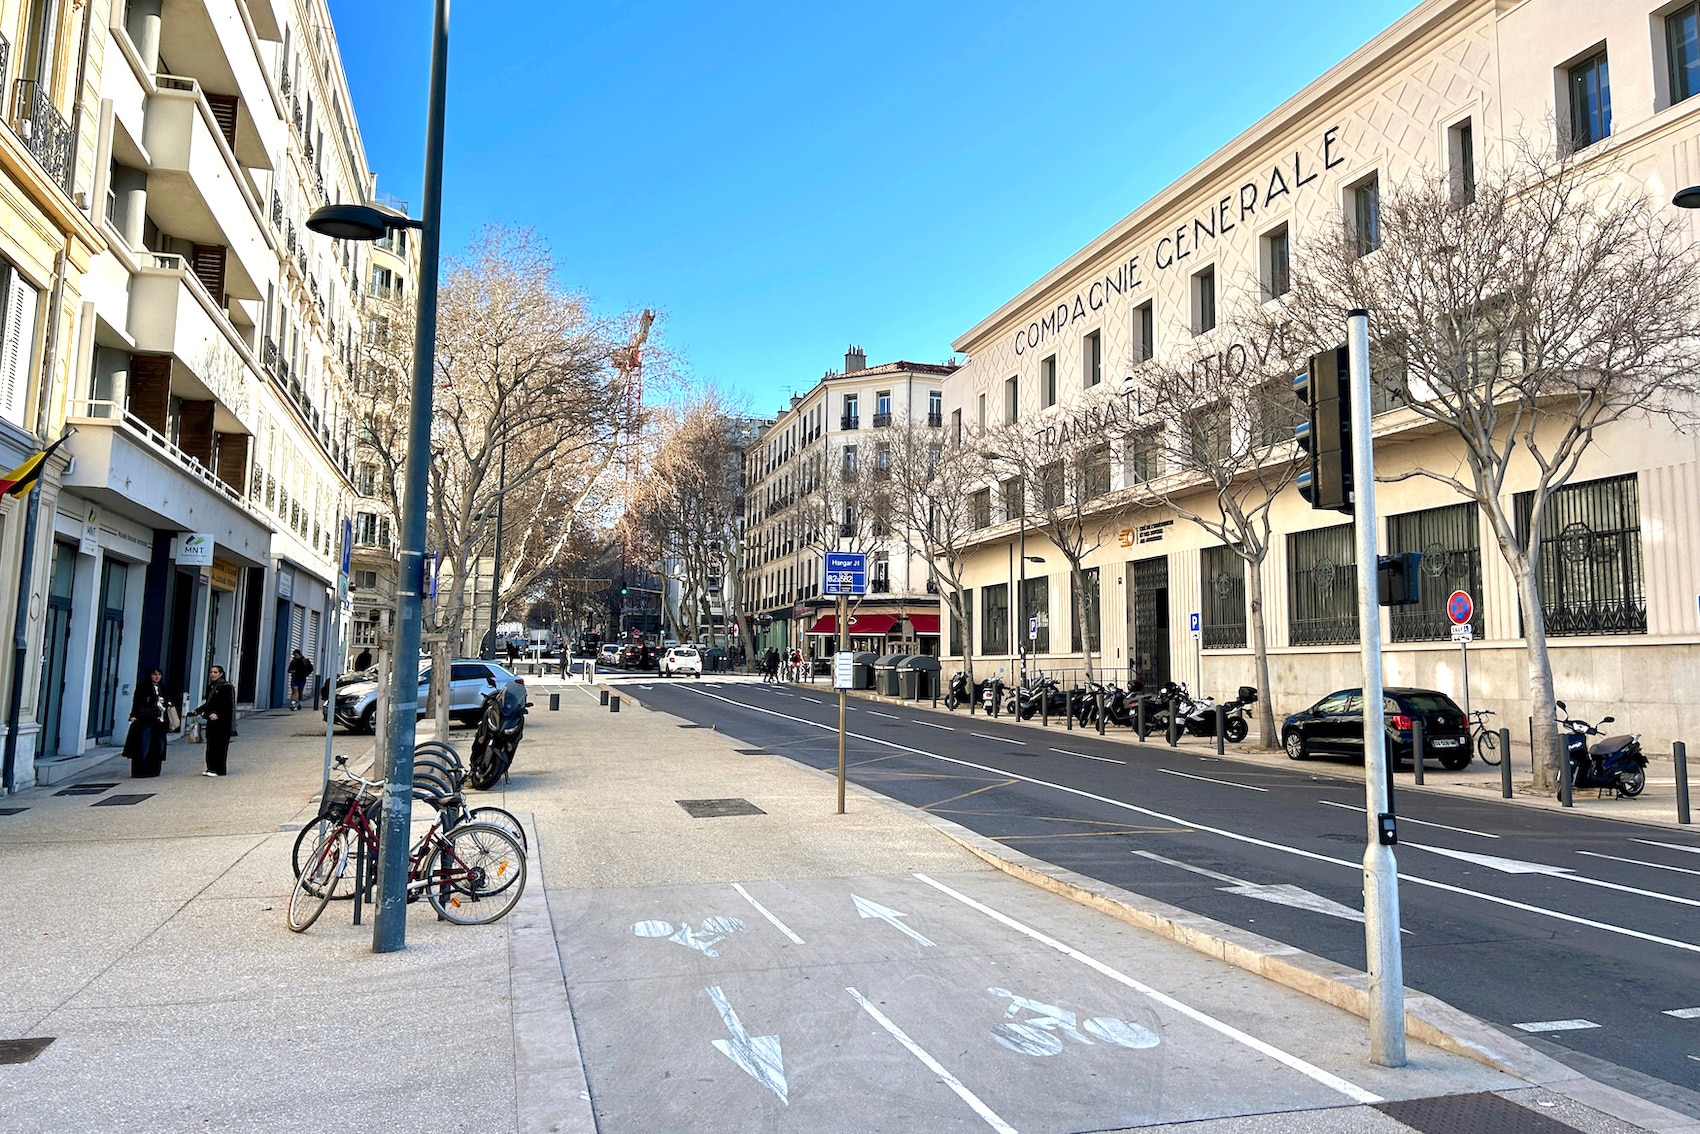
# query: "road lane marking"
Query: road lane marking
890,916
1084,756
1517,866
966,794
1327,1079
999,739
812,700
765,912
934,1066
1208,780
777,693
1556,1026
930,724
757,1055
1252,840
1684,1013
1278,893
888,716
1407,819
1671,846
1640,862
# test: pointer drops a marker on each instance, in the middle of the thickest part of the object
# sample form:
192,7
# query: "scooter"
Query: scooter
1038,690
1615,763
500,727
1198,717
959,693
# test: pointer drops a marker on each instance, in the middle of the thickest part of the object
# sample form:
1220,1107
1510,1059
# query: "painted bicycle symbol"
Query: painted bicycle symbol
703,939
1043,1031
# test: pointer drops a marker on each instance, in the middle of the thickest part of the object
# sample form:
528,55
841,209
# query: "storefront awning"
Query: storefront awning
925,623
861,625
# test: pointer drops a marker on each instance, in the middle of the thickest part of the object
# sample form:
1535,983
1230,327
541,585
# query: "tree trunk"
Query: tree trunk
1260,651
961,604
1079,582
1545,739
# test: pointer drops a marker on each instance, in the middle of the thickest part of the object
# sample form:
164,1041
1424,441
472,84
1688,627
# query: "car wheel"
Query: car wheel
369,720
1455,761
1295,746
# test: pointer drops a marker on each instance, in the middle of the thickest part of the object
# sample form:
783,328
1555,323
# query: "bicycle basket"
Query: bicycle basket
339,800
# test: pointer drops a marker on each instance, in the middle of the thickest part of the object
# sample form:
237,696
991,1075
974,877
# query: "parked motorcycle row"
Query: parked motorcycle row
1043,695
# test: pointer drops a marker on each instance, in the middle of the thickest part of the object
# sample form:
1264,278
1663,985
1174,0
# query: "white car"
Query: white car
469,680
609,656
680,660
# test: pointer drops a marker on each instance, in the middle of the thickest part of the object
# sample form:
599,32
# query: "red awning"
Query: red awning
925,623
861,625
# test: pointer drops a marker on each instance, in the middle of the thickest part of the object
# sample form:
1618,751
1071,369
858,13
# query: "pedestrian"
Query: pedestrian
144,745
219,713
770,664
513,653
363,660
300,669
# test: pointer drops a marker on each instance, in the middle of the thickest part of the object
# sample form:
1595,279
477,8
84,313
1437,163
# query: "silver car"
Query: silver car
469,680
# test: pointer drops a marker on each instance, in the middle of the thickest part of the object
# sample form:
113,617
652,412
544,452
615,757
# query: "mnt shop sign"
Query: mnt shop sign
1199,234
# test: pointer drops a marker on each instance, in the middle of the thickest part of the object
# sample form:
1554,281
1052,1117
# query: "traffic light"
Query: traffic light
1398,580
1325,436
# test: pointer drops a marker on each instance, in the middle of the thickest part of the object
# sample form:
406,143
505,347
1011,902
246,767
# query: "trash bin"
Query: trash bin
885,674
918,677
862,670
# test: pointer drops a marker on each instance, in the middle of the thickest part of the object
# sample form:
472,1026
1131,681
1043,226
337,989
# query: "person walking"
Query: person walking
363,660
300,669
219,713
144,745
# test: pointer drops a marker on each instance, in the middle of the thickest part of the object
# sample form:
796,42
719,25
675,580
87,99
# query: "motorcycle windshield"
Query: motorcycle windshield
513,699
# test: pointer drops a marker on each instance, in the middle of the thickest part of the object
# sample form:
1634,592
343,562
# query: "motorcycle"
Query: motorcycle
958,694
1615,763
1198,717
500,727
1118,703
1039,691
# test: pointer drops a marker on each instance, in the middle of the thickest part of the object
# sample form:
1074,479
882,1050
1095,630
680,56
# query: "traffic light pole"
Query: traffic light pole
1381,871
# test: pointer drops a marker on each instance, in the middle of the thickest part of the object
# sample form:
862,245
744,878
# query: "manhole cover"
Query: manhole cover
13,810
719,808
122,800
23,1050
85,789
1470,1114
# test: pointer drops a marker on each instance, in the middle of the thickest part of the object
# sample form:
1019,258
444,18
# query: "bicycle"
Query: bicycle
471,873
1484,738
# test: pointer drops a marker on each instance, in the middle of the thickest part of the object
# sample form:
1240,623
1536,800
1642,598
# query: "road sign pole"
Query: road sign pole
1381,872
843,694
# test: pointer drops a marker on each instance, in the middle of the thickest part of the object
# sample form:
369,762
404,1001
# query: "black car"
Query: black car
636,655
1334,726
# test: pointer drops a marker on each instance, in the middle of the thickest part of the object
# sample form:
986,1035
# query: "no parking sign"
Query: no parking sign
1460,608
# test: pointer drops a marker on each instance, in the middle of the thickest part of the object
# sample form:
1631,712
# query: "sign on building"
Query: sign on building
193,549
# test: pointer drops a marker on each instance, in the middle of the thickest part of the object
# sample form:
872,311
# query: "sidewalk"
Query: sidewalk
663,972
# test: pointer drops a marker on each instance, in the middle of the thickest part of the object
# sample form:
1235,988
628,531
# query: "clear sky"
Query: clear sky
781,180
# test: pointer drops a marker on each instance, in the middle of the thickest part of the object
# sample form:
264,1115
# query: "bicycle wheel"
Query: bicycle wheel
476,875
506,820
1487,747
318,882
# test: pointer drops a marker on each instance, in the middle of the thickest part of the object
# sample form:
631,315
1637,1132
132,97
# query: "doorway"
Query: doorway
108,644
1148,618
55,644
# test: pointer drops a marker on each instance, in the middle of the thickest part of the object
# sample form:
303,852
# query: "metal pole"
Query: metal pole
1021,603
1505,763
843,695
389,923
1098,707
1381,872
1566,785
496,566
1221,731
20,641
1418,746
1139,705
1679,756
341,653
1464,660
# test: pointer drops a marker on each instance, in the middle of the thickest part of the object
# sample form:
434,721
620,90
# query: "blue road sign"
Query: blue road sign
1194,623
846,573
1459,608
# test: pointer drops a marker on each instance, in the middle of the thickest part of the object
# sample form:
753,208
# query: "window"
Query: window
1365,199
1275,411
981,508
981,419
882,461
1449,540
1088,593
1036,604
18,299
994,623
1092,359
851,419
1682,42
1322,587
1590,101
1222,612
882,409
1095,472
1204,301
1012,503
1048,379
1461,159
961,629
1144,333
1145,455
956,427
366,478
1590,557
1051,485
1212,435
1277,269
371,529
1012,399
365,580
849,463
935,408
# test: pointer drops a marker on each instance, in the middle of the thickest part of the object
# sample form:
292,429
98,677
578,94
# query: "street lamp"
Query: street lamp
367,222
1020,603
1688,198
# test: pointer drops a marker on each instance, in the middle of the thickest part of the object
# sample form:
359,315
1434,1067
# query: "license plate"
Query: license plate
1448,742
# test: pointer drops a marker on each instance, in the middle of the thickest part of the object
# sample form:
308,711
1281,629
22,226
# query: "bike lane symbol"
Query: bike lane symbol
712,932
1042,1033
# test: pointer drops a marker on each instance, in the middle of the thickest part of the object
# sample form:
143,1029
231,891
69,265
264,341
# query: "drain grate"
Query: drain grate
13,810
718,808
23,1050
85,789
1470,1114
122,800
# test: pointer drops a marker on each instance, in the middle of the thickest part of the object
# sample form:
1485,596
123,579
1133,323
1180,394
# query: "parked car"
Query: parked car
1334,726
637,655
610,655
469,680
681,660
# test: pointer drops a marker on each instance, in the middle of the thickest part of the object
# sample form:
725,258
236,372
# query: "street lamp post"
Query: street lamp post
366,222
496,571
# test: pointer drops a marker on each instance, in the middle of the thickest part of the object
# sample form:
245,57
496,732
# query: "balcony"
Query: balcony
846,531
882,421
849,421
935,419
932,586
44,130
172,314
211,45
879,586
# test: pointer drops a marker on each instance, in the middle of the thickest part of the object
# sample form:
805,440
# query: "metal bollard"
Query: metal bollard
1174,736
1388,764
1044,706
1221,731
997,698
554,702
1505,763
1679,756
613,704
1098,704
604,693
1419,748
1564,785
1073,700
1139,726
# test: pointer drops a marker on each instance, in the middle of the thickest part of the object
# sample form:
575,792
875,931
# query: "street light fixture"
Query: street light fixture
1688,198
1020,602
370,222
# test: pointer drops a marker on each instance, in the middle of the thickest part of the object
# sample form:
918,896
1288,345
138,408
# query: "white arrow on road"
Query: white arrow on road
1279,893
890,916
1517,866
757,1055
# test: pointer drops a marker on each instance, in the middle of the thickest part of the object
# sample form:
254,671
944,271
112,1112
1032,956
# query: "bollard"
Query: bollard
1418,748
1221,731
1098,705
997,698
554,702
359,877
613,704
1505,762
1139,725
1073,701
1679,756
1564,785
604,693
1174,723
1044,706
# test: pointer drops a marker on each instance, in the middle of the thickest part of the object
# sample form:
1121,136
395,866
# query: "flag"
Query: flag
21,479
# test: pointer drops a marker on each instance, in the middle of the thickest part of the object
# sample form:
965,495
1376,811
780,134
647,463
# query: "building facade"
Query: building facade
194,340
812,484
1453,85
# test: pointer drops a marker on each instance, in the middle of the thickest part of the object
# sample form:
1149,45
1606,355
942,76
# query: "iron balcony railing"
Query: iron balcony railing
882,420
44,130
849,421
268,355
935,420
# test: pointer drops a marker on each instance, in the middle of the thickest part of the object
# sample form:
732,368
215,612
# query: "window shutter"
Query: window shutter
17,345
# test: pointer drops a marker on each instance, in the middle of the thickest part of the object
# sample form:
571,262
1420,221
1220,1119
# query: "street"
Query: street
1491,893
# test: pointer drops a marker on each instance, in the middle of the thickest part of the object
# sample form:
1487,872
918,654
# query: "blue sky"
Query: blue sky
781,180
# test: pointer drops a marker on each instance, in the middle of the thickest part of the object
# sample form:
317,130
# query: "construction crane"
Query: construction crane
628,363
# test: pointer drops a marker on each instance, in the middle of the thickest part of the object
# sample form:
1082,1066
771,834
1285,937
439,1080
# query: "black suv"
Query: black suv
1334,726
635,655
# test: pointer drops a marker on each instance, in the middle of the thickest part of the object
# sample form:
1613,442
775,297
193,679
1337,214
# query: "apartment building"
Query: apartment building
168,308
811,485
1451,86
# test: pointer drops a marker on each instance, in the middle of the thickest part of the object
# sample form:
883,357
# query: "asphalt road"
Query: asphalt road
1580,935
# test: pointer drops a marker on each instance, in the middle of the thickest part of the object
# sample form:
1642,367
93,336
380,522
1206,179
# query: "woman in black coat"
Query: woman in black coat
145,743
219,713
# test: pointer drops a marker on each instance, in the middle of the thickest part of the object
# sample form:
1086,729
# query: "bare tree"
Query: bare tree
1522,316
